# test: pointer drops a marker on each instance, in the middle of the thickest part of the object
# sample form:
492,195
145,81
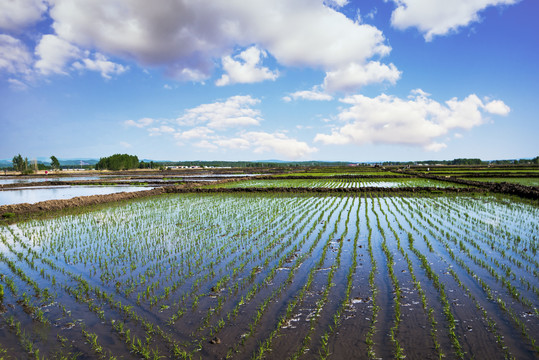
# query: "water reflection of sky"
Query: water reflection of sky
18,180
42,179
33,195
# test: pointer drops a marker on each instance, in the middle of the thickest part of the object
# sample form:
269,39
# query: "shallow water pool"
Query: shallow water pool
37,194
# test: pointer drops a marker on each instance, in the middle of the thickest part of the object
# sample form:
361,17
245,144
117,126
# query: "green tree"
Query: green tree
118,162
55,164
18,163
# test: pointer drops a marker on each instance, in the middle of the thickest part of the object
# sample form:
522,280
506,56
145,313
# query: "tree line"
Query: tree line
464,161
118,162
24,167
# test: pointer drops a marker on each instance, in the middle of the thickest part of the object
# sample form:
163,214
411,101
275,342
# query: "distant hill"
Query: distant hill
47,161
75,162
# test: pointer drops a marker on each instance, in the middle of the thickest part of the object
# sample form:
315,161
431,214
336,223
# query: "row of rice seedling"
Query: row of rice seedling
412,309
453,249
295,260
323,313
526,181
495,261
51,304
274,276
488,322
293,311
389,260
336,183
513,258
272,256
324,351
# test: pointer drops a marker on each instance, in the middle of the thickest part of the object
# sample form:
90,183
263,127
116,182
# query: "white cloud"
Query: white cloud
54,53
416,121
305,33
186,37
14,56
248,70
497,107
336,3
220,125
236,111
263,142
195,133
418,93
372,13
354,76
434,146
163,129
140,123
54,56
101,64
15,15
126,144
235,143
205,144
439,17
315,95
279,143
17,85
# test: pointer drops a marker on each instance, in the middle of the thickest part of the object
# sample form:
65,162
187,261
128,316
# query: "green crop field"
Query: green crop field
338,183
527,181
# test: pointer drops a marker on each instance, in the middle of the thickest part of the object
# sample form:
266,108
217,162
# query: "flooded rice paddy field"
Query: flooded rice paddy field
18,190
36,194
6,180
526,181
336,172
339,183
275,276
9,180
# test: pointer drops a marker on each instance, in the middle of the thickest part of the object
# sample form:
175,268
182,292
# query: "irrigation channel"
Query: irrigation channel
277,276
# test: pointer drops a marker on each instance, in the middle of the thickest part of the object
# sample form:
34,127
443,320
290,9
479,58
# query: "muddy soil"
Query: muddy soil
527,192
495,175
329,177
54,205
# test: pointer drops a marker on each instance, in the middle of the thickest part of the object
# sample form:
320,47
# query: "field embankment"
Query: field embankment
527,192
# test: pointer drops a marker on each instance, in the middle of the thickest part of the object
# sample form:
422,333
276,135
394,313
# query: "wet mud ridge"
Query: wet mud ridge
527,192
380,191
55,205
333,177
124,182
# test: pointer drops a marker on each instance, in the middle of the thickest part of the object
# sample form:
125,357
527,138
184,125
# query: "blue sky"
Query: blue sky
370,80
